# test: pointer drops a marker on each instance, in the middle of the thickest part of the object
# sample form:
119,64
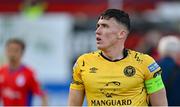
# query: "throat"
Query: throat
14,66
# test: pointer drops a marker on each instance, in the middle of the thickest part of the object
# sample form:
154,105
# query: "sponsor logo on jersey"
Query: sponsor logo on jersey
10,93
154,66
138,58
93,70
129,71
123,102
111,89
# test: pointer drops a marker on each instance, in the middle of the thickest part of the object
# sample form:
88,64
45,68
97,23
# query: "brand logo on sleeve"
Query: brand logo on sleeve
154,66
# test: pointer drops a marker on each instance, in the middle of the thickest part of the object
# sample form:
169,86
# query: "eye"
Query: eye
104,25
97,25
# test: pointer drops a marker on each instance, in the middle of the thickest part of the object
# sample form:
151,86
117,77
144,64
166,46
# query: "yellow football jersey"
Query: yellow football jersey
114,83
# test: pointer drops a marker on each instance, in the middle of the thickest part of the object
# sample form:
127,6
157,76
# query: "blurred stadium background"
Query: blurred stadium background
58,31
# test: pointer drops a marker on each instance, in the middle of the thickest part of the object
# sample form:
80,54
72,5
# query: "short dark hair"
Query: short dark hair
119,15
16,41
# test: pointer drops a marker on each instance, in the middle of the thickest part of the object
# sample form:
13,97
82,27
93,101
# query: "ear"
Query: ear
122,34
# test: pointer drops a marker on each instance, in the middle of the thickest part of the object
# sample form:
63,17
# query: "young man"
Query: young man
17,81
115,76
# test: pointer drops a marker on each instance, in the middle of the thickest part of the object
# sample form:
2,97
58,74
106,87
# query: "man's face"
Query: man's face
107,33
13,52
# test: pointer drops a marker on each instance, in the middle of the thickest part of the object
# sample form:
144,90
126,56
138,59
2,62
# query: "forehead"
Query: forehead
13,45
108,21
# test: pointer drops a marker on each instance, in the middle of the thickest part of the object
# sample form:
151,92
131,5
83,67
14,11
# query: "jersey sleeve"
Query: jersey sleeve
77,82
153,80
35,86
1,79
150,67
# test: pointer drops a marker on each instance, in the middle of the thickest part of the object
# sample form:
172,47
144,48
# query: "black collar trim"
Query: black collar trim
125,54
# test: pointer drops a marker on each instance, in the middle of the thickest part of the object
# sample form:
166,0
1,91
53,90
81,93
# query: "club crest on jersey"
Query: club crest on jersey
20,80
129,71
154,66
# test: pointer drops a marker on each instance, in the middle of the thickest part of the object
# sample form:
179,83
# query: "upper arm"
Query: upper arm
76,97
153,82
76,93
151,68
77,81
159,98
1,80
36,88
34,85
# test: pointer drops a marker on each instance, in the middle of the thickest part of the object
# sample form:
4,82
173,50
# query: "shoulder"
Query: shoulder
146,63
3,68
86,58
138,55
28,70
90,55
141,57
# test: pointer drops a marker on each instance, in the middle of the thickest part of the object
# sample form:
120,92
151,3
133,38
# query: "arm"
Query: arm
37,90
77,89
154,83
44,100
76,97
159,98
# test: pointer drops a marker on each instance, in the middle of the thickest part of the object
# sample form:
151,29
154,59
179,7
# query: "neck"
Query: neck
114,54
14,65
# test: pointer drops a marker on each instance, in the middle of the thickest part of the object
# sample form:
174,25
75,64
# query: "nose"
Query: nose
98,31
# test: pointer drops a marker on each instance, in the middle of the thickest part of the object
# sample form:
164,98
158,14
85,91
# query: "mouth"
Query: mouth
98,39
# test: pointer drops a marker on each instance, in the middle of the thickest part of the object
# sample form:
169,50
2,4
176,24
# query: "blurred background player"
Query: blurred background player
169,51
17,81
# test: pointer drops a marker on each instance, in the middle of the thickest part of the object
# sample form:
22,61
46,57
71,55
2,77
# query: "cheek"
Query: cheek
108,35
9,53
111,36
17,54
14,53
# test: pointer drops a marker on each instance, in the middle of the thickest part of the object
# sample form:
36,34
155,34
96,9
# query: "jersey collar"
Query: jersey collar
125,54
17,69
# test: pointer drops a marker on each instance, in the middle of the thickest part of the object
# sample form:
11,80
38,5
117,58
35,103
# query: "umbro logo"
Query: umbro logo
93,70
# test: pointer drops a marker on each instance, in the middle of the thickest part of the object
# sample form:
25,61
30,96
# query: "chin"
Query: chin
100,47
